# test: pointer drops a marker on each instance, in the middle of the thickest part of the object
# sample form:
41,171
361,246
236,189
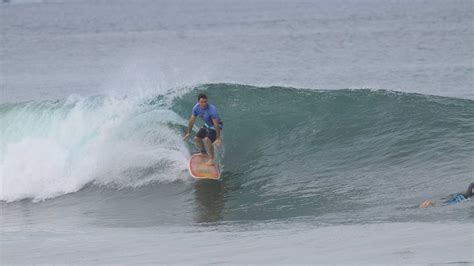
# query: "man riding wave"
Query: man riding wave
211,130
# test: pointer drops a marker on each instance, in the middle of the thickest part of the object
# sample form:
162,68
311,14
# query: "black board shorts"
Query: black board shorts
207,132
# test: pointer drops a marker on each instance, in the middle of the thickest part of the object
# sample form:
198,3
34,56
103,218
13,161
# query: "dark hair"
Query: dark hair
469,190
202,96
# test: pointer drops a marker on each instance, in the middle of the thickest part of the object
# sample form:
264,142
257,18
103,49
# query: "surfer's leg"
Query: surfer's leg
199,144
210,138
210,151
198,139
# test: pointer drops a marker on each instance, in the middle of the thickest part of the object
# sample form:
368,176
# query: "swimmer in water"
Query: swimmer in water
455,199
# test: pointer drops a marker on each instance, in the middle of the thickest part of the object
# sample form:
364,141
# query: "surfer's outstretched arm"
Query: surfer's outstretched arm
426,204
456,198
191,121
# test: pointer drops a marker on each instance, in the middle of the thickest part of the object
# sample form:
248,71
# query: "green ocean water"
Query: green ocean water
305,152
342,156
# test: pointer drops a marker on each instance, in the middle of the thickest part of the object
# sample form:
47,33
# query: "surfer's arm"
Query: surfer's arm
426,204
191,121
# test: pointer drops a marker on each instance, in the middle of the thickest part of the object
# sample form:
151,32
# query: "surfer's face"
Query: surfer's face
203,103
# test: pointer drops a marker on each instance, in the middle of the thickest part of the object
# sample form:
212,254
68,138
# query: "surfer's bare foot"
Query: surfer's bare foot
210,162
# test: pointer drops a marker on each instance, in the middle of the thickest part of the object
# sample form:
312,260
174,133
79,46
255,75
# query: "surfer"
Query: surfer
210,132
459,197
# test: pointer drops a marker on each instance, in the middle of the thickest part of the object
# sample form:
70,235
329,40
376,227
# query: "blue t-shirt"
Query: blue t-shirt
456,199
207,114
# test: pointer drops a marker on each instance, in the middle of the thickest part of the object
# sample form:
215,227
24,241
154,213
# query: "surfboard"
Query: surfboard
200,170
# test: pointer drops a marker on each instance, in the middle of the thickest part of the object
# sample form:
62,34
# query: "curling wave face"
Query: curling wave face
291,152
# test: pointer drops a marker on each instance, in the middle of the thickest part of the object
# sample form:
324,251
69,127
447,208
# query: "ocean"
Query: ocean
340,117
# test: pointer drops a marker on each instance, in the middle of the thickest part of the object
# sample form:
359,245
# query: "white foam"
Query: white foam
49,149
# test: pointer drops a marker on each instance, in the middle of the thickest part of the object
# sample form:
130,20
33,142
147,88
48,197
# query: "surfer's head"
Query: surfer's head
202,99
470,190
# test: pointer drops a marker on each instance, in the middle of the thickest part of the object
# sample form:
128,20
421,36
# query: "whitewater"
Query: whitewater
340,118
